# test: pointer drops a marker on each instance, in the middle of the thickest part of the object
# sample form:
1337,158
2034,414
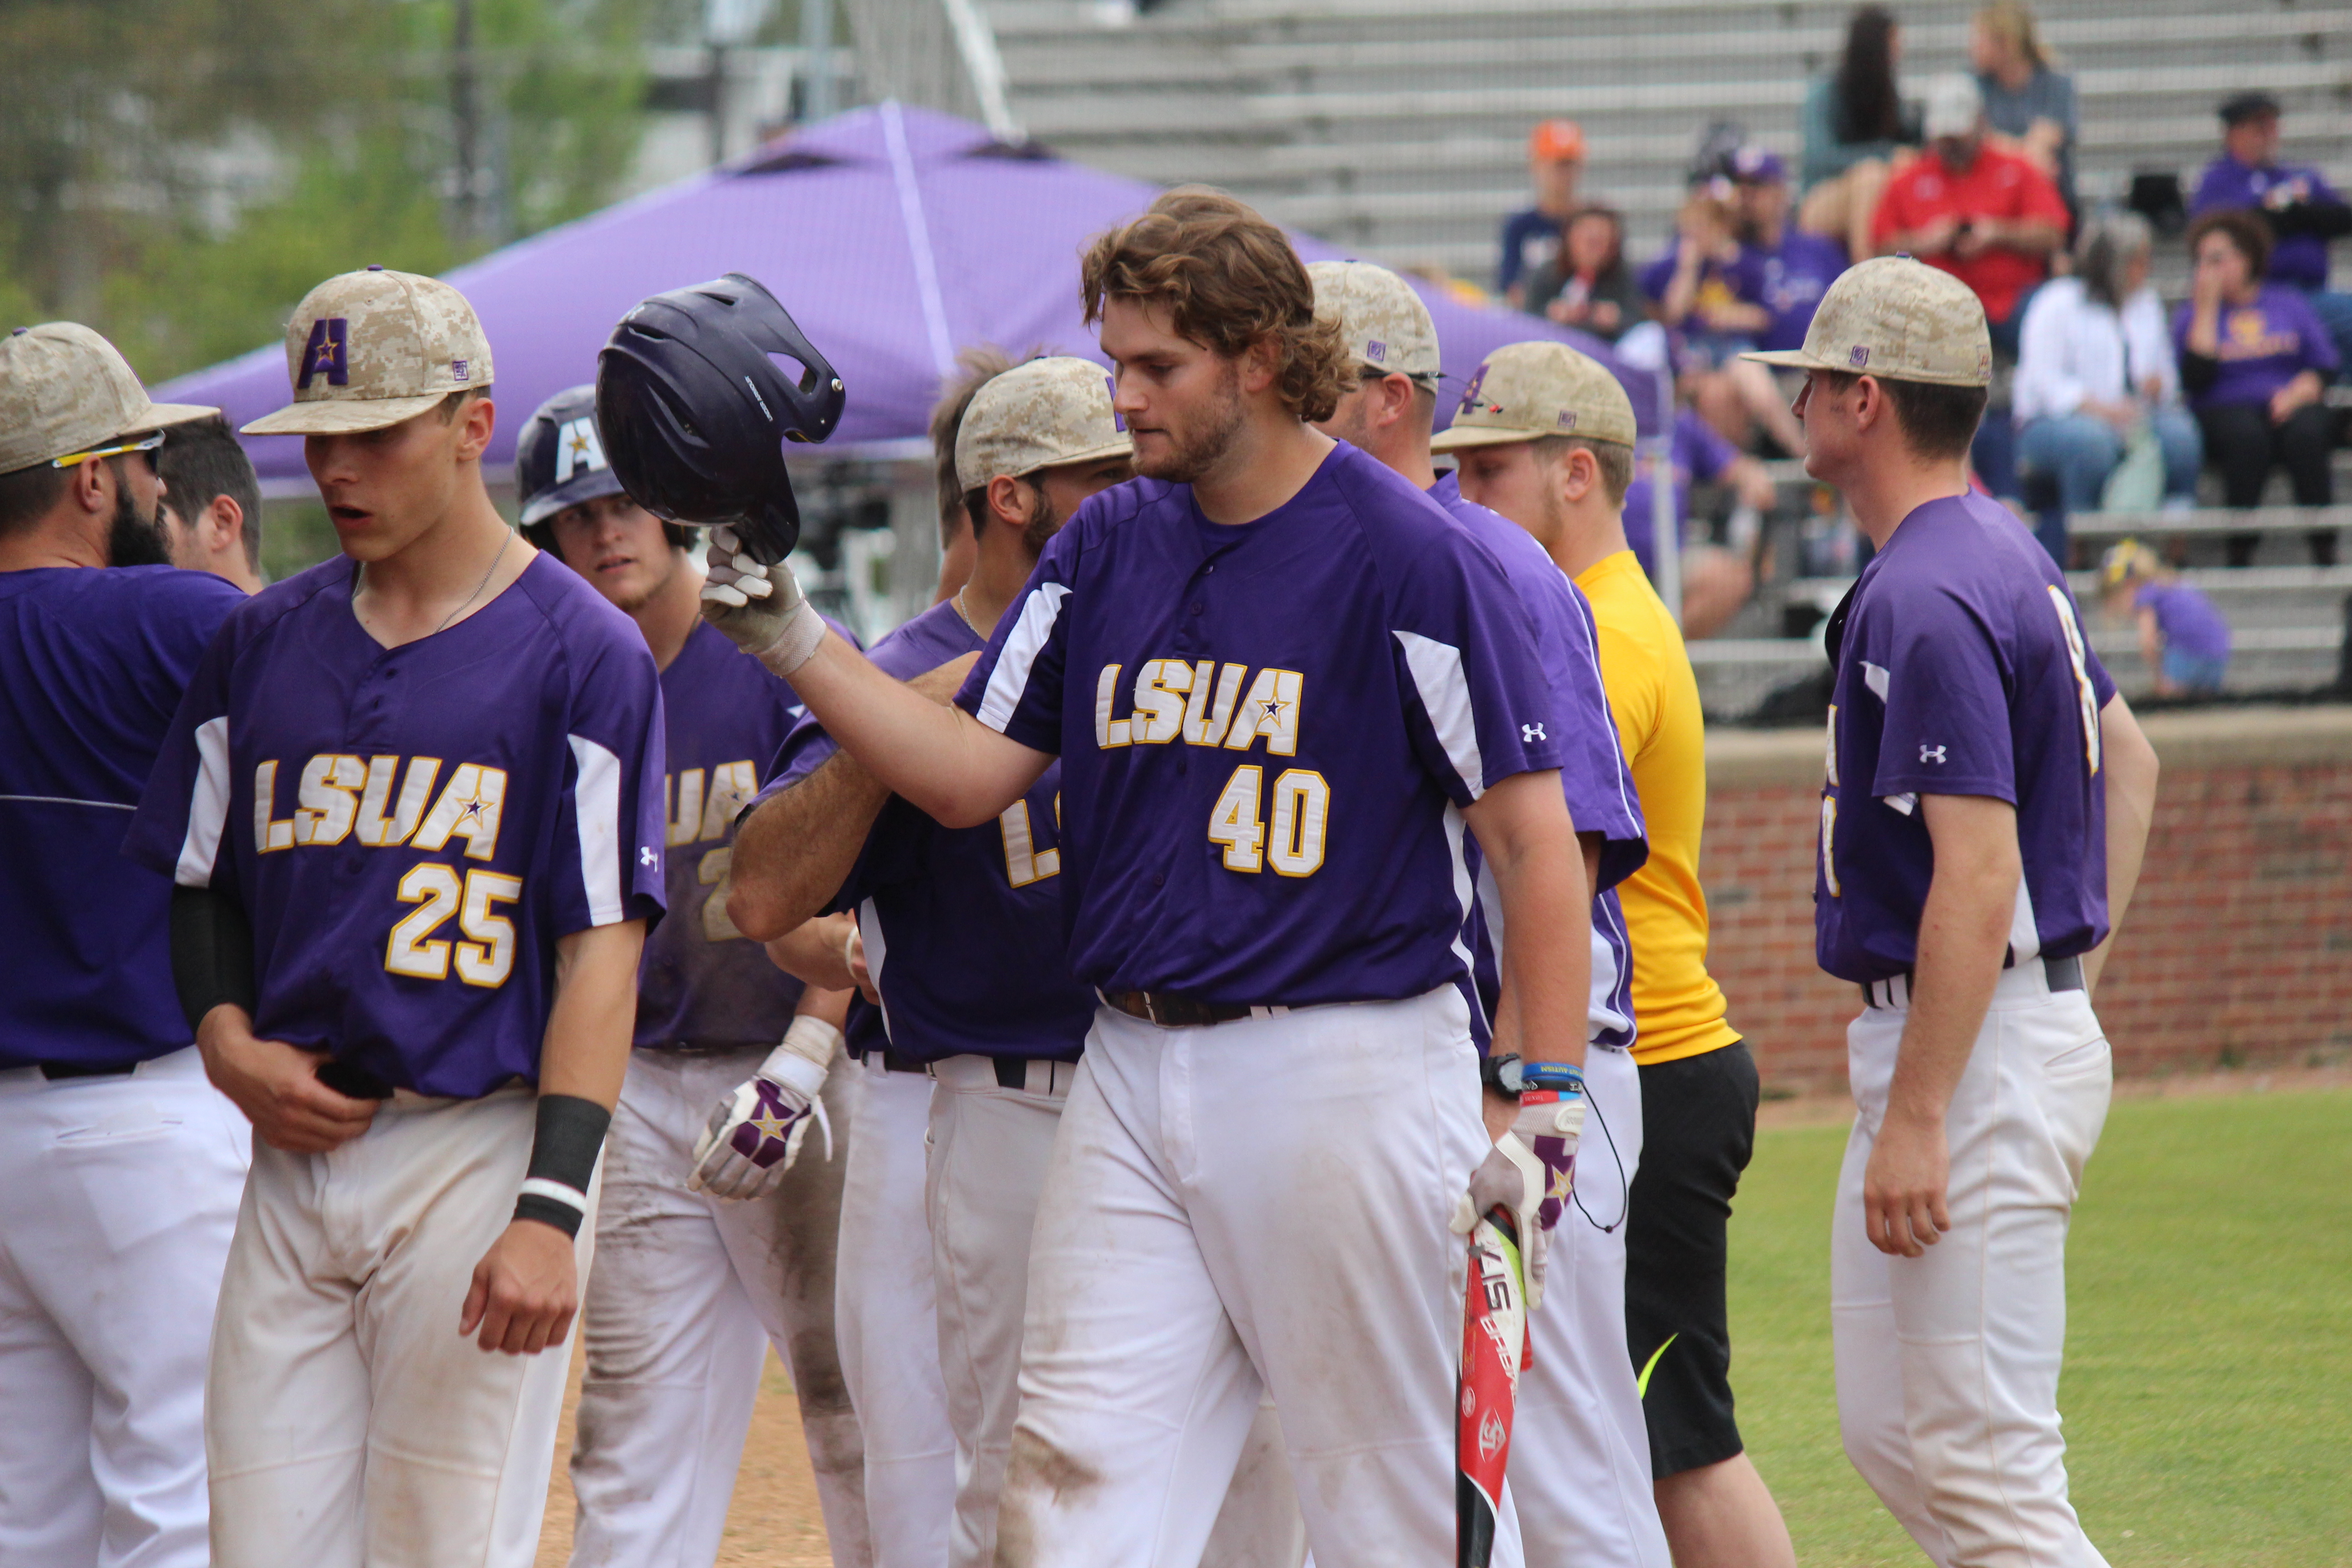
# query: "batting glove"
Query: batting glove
755,1134
760,608
1530,1171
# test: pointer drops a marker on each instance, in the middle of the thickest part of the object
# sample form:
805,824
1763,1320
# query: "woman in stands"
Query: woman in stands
2096,372
1587,285
2257,361
2030,105
1857,131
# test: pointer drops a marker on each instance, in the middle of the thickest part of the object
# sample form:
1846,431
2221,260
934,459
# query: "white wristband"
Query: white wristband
804,1056
796,643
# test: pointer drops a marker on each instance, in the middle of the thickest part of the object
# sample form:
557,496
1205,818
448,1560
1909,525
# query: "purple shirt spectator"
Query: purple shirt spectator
2187,618
1961,669
2261,347
1697,453
2300,259
1795,276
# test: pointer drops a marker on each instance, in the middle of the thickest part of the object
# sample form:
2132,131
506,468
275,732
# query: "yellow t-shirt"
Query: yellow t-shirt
1653,697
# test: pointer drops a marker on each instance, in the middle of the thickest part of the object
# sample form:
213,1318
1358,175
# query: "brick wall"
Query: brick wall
2237,948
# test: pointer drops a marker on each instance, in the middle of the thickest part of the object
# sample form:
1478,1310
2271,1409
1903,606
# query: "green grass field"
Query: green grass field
2207,1390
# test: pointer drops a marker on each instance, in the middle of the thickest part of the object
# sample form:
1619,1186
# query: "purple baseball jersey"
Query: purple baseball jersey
410,829
703,983
1267,733
1592,771
963,926
92,665
1962,670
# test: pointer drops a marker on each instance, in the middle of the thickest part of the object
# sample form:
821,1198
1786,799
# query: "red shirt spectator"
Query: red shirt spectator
1968,207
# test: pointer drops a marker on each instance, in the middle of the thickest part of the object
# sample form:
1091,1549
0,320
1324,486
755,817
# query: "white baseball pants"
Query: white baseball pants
348,1423
1254,1206
887,1323
120,1196
990,1147
689,1292
1581,1451
1947,1363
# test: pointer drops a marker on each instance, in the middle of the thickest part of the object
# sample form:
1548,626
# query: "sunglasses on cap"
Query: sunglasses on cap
74,459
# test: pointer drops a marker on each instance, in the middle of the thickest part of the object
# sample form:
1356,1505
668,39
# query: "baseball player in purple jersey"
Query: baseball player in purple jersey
1580,1470
690,1288
411,803
1278,1108
1987,803
120,1165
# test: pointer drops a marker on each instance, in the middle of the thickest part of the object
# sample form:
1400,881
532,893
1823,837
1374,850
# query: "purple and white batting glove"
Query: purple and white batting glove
755,1134
1531,1172
760,608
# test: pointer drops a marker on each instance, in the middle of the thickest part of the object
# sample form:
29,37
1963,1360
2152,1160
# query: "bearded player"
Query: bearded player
411,803
1280,681
690,1286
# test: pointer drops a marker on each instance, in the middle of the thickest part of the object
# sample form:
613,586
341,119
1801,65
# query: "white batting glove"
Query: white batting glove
1531,1172
760,608
755,1132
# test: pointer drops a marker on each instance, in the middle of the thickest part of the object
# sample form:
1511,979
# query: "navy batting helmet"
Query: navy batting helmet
695,406
560,457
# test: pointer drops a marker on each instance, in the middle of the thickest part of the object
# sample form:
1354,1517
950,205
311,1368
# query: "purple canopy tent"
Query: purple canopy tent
894,235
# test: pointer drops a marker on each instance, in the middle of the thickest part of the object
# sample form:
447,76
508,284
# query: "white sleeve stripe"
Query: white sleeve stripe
207,806
596,805
1445,695
1010,679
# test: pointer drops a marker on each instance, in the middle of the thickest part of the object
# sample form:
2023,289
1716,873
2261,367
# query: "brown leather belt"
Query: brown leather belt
1175,1010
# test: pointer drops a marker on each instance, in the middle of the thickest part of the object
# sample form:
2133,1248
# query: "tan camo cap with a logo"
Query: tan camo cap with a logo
370,349
1387,327
1525,391
1037,416
64,389
1898,320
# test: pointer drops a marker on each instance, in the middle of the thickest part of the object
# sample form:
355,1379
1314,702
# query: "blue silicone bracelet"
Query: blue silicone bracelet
1558,1076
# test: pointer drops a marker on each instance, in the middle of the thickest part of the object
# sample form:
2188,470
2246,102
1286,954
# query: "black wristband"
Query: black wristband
212,952
562,1159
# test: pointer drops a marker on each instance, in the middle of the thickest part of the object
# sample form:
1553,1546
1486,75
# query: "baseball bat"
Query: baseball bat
1493,1350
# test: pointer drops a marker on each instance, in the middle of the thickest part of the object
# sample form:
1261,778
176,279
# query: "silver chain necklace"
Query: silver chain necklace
358,582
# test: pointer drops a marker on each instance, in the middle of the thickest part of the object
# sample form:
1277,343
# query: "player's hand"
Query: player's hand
853,957
1530,1171
277,1086
1904,1186
525,1289
760,608
940,685
755,1134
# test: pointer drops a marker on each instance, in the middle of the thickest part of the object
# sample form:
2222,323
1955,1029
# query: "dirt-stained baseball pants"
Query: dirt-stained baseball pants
118,1195
1256,1205
689,1292
1947,1363
1580,1451
348,1423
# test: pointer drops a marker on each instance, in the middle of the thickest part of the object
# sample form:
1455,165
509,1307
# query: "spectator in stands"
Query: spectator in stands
1715,581
2182,637
1710,290
212,503
2029,106
1798,269
1986,216
2094,373
1587,285
2255,360
2302,210
1857,132
1532,237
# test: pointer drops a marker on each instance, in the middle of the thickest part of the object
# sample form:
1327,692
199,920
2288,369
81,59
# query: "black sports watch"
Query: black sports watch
1501,1074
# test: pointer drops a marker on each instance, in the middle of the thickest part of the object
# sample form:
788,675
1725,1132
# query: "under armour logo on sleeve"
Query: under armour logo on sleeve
1931,754
646,855
1530,734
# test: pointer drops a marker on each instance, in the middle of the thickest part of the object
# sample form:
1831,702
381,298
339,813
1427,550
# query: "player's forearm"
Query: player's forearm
942,760
831,1007
794,851
1963,938
817,952
1523,829
586,1050
2131,768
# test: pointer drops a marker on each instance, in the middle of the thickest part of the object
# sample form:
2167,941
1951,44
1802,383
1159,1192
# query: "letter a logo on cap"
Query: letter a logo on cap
326,351
1117,420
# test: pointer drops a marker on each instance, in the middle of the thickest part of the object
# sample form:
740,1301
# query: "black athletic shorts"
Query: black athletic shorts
1698,1128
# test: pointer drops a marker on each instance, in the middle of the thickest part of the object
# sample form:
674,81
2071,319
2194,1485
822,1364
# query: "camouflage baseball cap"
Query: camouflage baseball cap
1898,320
1037,416
370,349
64,389
1387,327
1525,391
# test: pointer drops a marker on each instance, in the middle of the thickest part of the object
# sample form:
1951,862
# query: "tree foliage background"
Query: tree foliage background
178,172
